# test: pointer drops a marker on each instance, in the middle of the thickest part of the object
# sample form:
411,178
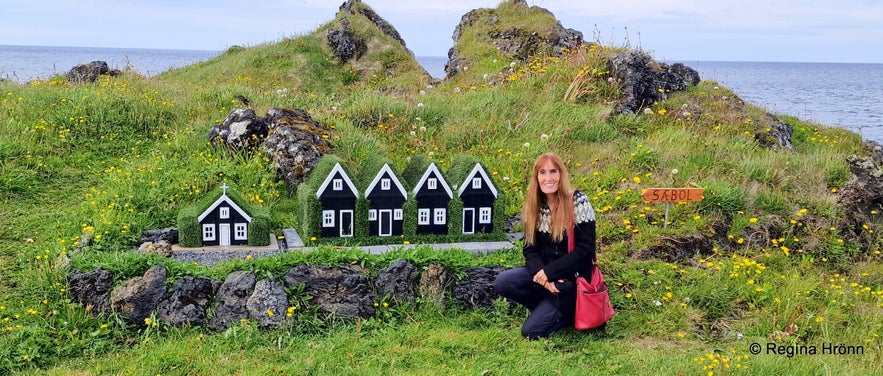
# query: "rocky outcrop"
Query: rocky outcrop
341,291
344,44
396,282
356,6
435,284
231,299
268,303
168,234
137,298
90,72
773,133
91,289
188,301
295,144
516,42
863,191
644,81
476,290
242,128
162,248
292,140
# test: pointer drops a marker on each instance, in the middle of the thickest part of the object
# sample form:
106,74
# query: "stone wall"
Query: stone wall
342,291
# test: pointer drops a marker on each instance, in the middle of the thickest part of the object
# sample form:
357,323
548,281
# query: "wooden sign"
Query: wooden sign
672,194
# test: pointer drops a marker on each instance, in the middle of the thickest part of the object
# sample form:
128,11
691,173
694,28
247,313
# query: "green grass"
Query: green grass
107,160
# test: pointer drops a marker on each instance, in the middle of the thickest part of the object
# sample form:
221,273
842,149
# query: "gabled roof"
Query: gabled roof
429,170
346,179
395,179
468,181
223,198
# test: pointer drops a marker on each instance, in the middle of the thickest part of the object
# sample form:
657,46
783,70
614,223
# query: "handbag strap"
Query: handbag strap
570,243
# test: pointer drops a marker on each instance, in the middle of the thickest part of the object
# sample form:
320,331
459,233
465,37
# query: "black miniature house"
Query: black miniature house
224,222
478,194
385,196
432,194
337,196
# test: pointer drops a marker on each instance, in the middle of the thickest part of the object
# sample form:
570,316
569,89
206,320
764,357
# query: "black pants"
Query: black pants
545,317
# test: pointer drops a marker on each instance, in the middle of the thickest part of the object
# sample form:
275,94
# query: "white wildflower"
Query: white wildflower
648,111
674,171
422,92
544,137
527,144
422,129
658,303
420,105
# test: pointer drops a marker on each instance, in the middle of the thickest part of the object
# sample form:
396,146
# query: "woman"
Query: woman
545,285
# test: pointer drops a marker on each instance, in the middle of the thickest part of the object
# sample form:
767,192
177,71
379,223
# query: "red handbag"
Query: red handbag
593,307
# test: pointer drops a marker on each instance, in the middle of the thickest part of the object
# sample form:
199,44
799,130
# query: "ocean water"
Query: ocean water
833,94
22,63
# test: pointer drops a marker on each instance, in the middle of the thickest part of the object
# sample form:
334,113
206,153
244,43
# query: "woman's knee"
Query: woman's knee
509,280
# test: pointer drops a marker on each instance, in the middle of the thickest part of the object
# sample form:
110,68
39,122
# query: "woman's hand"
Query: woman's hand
541,278
551,287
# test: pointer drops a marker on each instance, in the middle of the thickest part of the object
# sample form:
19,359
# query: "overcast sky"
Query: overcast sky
684,30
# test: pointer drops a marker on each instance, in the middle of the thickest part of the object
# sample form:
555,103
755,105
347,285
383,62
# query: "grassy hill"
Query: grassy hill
770,256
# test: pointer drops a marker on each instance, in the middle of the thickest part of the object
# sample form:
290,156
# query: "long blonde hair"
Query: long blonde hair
561,215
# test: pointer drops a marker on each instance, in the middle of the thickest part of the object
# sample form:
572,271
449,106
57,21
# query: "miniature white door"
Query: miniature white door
384,227
468,220
346,223
224,234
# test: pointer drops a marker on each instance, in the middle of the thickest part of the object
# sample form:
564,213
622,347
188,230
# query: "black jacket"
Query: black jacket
553,257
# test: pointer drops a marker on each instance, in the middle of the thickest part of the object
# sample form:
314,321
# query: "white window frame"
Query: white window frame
372,215
240,231
423,216
476,183
385,184
337,184
398,214
327,218
432,183
224,212
440,216
484,215
208,232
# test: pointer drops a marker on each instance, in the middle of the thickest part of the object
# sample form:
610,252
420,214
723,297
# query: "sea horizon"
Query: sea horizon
831,93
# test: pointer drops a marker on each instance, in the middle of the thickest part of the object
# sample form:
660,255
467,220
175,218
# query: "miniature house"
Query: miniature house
385,196
224,222
478,195
337,196
432,194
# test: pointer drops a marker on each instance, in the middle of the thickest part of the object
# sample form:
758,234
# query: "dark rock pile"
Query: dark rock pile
292,140
644,81
90,72
344,292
